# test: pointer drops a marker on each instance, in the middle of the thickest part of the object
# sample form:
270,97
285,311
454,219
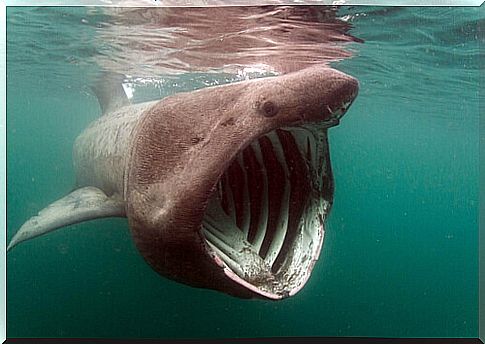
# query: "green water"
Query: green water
401,251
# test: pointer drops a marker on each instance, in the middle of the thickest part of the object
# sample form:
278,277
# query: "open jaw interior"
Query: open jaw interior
265,221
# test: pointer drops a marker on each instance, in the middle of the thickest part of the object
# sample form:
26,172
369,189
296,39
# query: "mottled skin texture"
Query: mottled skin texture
184,143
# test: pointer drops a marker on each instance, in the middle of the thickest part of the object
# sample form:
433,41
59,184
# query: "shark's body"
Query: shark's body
225,187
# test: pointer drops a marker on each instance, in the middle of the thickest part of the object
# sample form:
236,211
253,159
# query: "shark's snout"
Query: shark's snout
344,91
315,95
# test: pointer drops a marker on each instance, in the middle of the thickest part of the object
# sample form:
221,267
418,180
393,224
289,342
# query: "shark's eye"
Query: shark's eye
269,109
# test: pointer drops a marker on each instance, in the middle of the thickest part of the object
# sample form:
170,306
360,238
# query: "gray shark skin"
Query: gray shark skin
226,187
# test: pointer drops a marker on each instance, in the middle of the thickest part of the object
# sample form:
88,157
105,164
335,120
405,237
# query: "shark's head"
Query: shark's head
229,186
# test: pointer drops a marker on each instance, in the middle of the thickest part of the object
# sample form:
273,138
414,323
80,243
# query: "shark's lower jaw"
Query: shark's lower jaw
264,223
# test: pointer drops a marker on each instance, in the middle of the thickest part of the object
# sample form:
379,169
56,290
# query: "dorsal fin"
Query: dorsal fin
109,91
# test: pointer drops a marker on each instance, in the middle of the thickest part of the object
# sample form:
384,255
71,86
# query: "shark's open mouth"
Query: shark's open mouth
265,220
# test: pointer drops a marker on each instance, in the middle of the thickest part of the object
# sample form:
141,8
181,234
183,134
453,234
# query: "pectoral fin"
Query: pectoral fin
83,204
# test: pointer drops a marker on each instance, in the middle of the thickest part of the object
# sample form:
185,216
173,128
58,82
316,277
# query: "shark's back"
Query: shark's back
102,150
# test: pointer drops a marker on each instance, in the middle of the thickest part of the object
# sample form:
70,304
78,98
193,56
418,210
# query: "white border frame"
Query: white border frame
143,3
208,3
3,171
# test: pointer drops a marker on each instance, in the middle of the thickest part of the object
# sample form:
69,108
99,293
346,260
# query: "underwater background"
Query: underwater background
400,256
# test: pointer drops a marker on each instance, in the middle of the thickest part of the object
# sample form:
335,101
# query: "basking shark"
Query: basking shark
226,187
